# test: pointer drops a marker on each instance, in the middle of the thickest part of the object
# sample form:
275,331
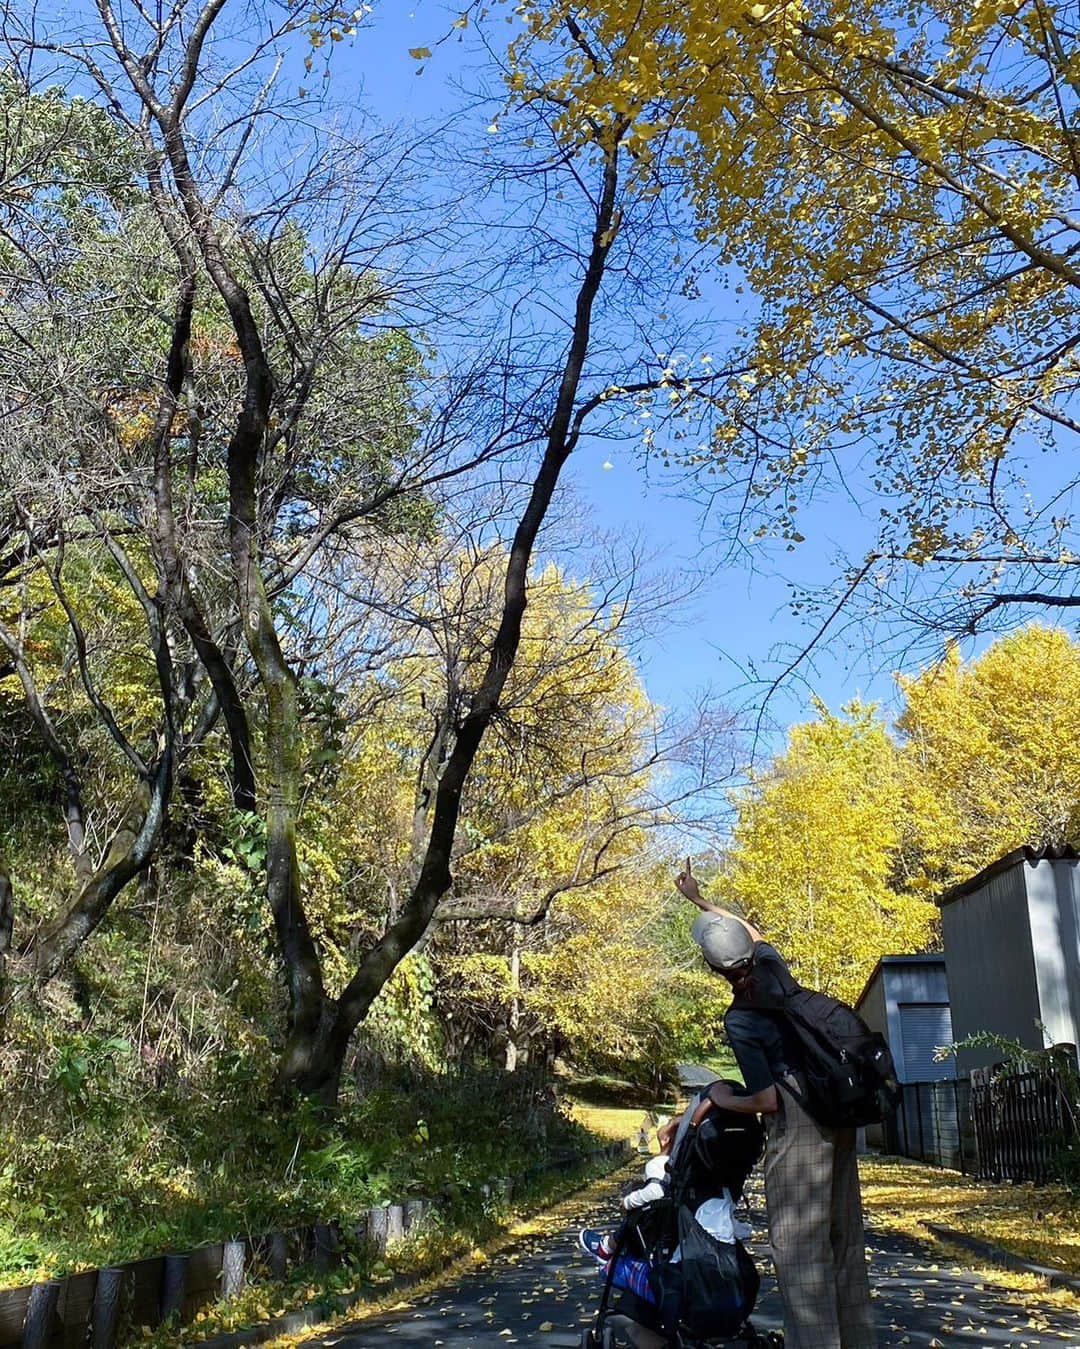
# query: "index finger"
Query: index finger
688,866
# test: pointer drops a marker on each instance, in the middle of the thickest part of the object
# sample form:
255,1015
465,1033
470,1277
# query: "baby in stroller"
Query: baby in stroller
677,1273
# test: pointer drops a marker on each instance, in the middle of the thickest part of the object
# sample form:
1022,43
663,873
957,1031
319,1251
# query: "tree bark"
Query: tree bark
176,581
7,925
7,912
513,1026
313,1058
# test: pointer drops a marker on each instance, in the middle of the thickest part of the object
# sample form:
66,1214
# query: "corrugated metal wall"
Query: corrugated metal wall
1053,889
924,1027
991,966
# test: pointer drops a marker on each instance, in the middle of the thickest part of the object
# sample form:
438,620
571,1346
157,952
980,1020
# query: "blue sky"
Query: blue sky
739,626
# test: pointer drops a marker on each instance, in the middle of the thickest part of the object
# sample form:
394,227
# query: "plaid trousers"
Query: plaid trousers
816,1231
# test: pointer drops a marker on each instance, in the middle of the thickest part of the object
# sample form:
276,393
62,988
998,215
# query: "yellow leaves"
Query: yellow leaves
644,131
807,157
815,847
420,53
978,736
1039,1223
840,845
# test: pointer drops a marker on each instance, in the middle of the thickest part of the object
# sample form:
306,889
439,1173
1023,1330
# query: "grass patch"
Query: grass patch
723,1064
621,1123
1038,1223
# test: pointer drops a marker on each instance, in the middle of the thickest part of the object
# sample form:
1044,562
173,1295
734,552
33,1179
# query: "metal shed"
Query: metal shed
1012,937
906,998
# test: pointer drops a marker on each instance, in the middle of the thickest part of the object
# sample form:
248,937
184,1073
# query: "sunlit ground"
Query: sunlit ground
1040,1223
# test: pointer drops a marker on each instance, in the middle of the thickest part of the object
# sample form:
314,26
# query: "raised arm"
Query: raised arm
686,884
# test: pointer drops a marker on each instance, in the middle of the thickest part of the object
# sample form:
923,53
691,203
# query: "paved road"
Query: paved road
542,1293
694,1076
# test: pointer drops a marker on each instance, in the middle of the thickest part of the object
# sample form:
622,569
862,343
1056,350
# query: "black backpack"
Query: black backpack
847,1075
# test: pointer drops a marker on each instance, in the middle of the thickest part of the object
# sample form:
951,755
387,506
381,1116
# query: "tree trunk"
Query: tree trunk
313,1058
129,853
563,432
164,530
7,924
514,1026
7,913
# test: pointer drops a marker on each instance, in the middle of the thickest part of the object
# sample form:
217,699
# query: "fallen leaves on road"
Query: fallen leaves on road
1039,1224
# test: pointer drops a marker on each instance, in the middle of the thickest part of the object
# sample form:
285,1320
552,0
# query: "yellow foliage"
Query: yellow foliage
1040,1223
992,751
840,846
551,800
815,849
893,180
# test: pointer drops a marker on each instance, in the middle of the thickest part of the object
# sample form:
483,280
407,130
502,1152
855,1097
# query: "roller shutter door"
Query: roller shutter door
924,1026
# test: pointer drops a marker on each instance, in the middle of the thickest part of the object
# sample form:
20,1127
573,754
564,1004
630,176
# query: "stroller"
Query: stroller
704,1298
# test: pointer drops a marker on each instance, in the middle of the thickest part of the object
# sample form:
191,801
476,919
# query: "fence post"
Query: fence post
918,1112
904,1098
105,1316
279,1255
232,1268
40,1321
324,1246
959,1125
173,1285
378,1228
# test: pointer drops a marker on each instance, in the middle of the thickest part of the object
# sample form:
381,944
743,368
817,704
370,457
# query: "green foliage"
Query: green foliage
87,1063
165,1154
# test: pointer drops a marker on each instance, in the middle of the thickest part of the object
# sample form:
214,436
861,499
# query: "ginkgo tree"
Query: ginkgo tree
841,845
817,850
990,751
892,188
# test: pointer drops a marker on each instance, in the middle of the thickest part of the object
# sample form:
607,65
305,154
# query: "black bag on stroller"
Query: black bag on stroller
710,1292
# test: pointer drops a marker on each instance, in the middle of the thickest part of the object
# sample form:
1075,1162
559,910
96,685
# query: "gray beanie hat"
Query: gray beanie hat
724,941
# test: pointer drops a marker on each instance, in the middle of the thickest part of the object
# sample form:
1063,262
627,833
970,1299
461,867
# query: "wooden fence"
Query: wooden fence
103,1308
1025,1119
1008,1122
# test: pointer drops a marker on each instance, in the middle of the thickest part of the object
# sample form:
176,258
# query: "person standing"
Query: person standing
811,1173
